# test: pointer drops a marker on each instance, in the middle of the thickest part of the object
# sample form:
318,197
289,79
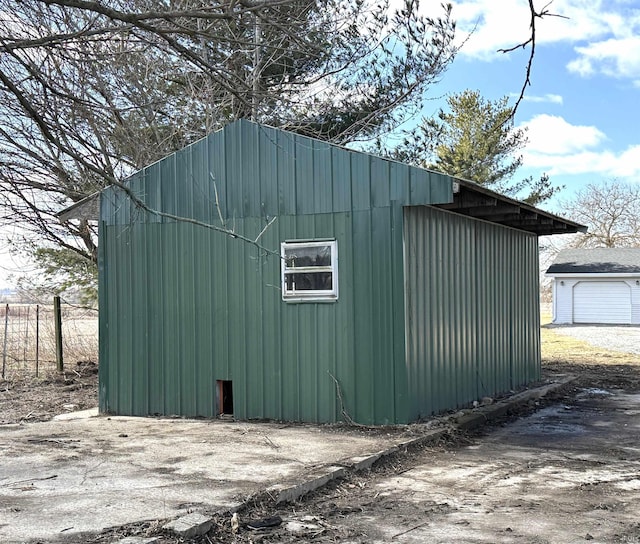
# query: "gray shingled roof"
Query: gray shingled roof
601,260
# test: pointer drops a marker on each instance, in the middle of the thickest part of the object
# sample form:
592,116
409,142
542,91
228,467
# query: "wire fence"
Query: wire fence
28,338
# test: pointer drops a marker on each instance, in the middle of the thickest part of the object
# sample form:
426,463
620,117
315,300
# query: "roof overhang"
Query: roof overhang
88,209
475,201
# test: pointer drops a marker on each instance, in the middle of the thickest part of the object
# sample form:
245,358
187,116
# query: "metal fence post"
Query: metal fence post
57,314
37,338
25,348
4,348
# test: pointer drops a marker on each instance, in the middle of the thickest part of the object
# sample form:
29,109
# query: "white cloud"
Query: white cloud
549,98
625,164
497,25
558,148
552,135
613,57
488,26
605,33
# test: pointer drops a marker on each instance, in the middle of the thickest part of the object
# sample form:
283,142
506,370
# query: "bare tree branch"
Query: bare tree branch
544,12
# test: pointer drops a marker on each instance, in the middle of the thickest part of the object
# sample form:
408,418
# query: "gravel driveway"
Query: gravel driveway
625,338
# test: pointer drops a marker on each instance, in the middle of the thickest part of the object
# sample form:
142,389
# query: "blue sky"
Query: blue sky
581,109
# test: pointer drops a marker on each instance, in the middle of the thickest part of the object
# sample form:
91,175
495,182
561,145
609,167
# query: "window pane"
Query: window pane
297,257
311,281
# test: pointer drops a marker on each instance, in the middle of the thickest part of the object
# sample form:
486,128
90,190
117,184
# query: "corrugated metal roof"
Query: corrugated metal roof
86,208
596,261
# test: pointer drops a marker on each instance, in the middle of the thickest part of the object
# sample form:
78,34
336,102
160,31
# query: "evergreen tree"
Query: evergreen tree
475,139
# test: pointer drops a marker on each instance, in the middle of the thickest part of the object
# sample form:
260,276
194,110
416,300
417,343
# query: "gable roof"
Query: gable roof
597,261
256,170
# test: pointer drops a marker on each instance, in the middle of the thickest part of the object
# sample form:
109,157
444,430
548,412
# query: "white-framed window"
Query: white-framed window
309,270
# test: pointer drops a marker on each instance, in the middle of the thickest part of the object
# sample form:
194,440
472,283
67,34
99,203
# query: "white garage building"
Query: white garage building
596,286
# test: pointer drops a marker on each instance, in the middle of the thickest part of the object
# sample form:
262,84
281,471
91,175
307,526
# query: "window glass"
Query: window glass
309,271
298,257
310,281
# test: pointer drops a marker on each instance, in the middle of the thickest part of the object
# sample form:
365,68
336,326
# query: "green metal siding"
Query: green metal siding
183,305
262,172
471,309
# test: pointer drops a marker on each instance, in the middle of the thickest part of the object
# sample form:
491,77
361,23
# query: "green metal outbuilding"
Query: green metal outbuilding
375,291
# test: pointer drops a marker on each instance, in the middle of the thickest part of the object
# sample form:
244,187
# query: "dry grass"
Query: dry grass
558,348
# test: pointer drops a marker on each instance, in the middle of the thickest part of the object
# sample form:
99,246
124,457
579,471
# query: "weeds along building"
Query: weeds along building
374,292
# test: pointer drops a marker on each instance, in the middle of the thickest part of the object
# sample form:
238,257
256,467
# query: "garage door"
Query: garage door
601,302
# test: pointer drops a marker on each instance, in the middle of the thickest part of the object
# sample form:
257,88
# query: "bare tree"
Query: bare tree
611,210
90,91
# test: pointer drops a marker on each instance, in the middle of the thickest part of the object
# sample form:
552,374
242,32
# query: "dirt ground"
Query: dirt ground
40,399
528,490
395,502
489,486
